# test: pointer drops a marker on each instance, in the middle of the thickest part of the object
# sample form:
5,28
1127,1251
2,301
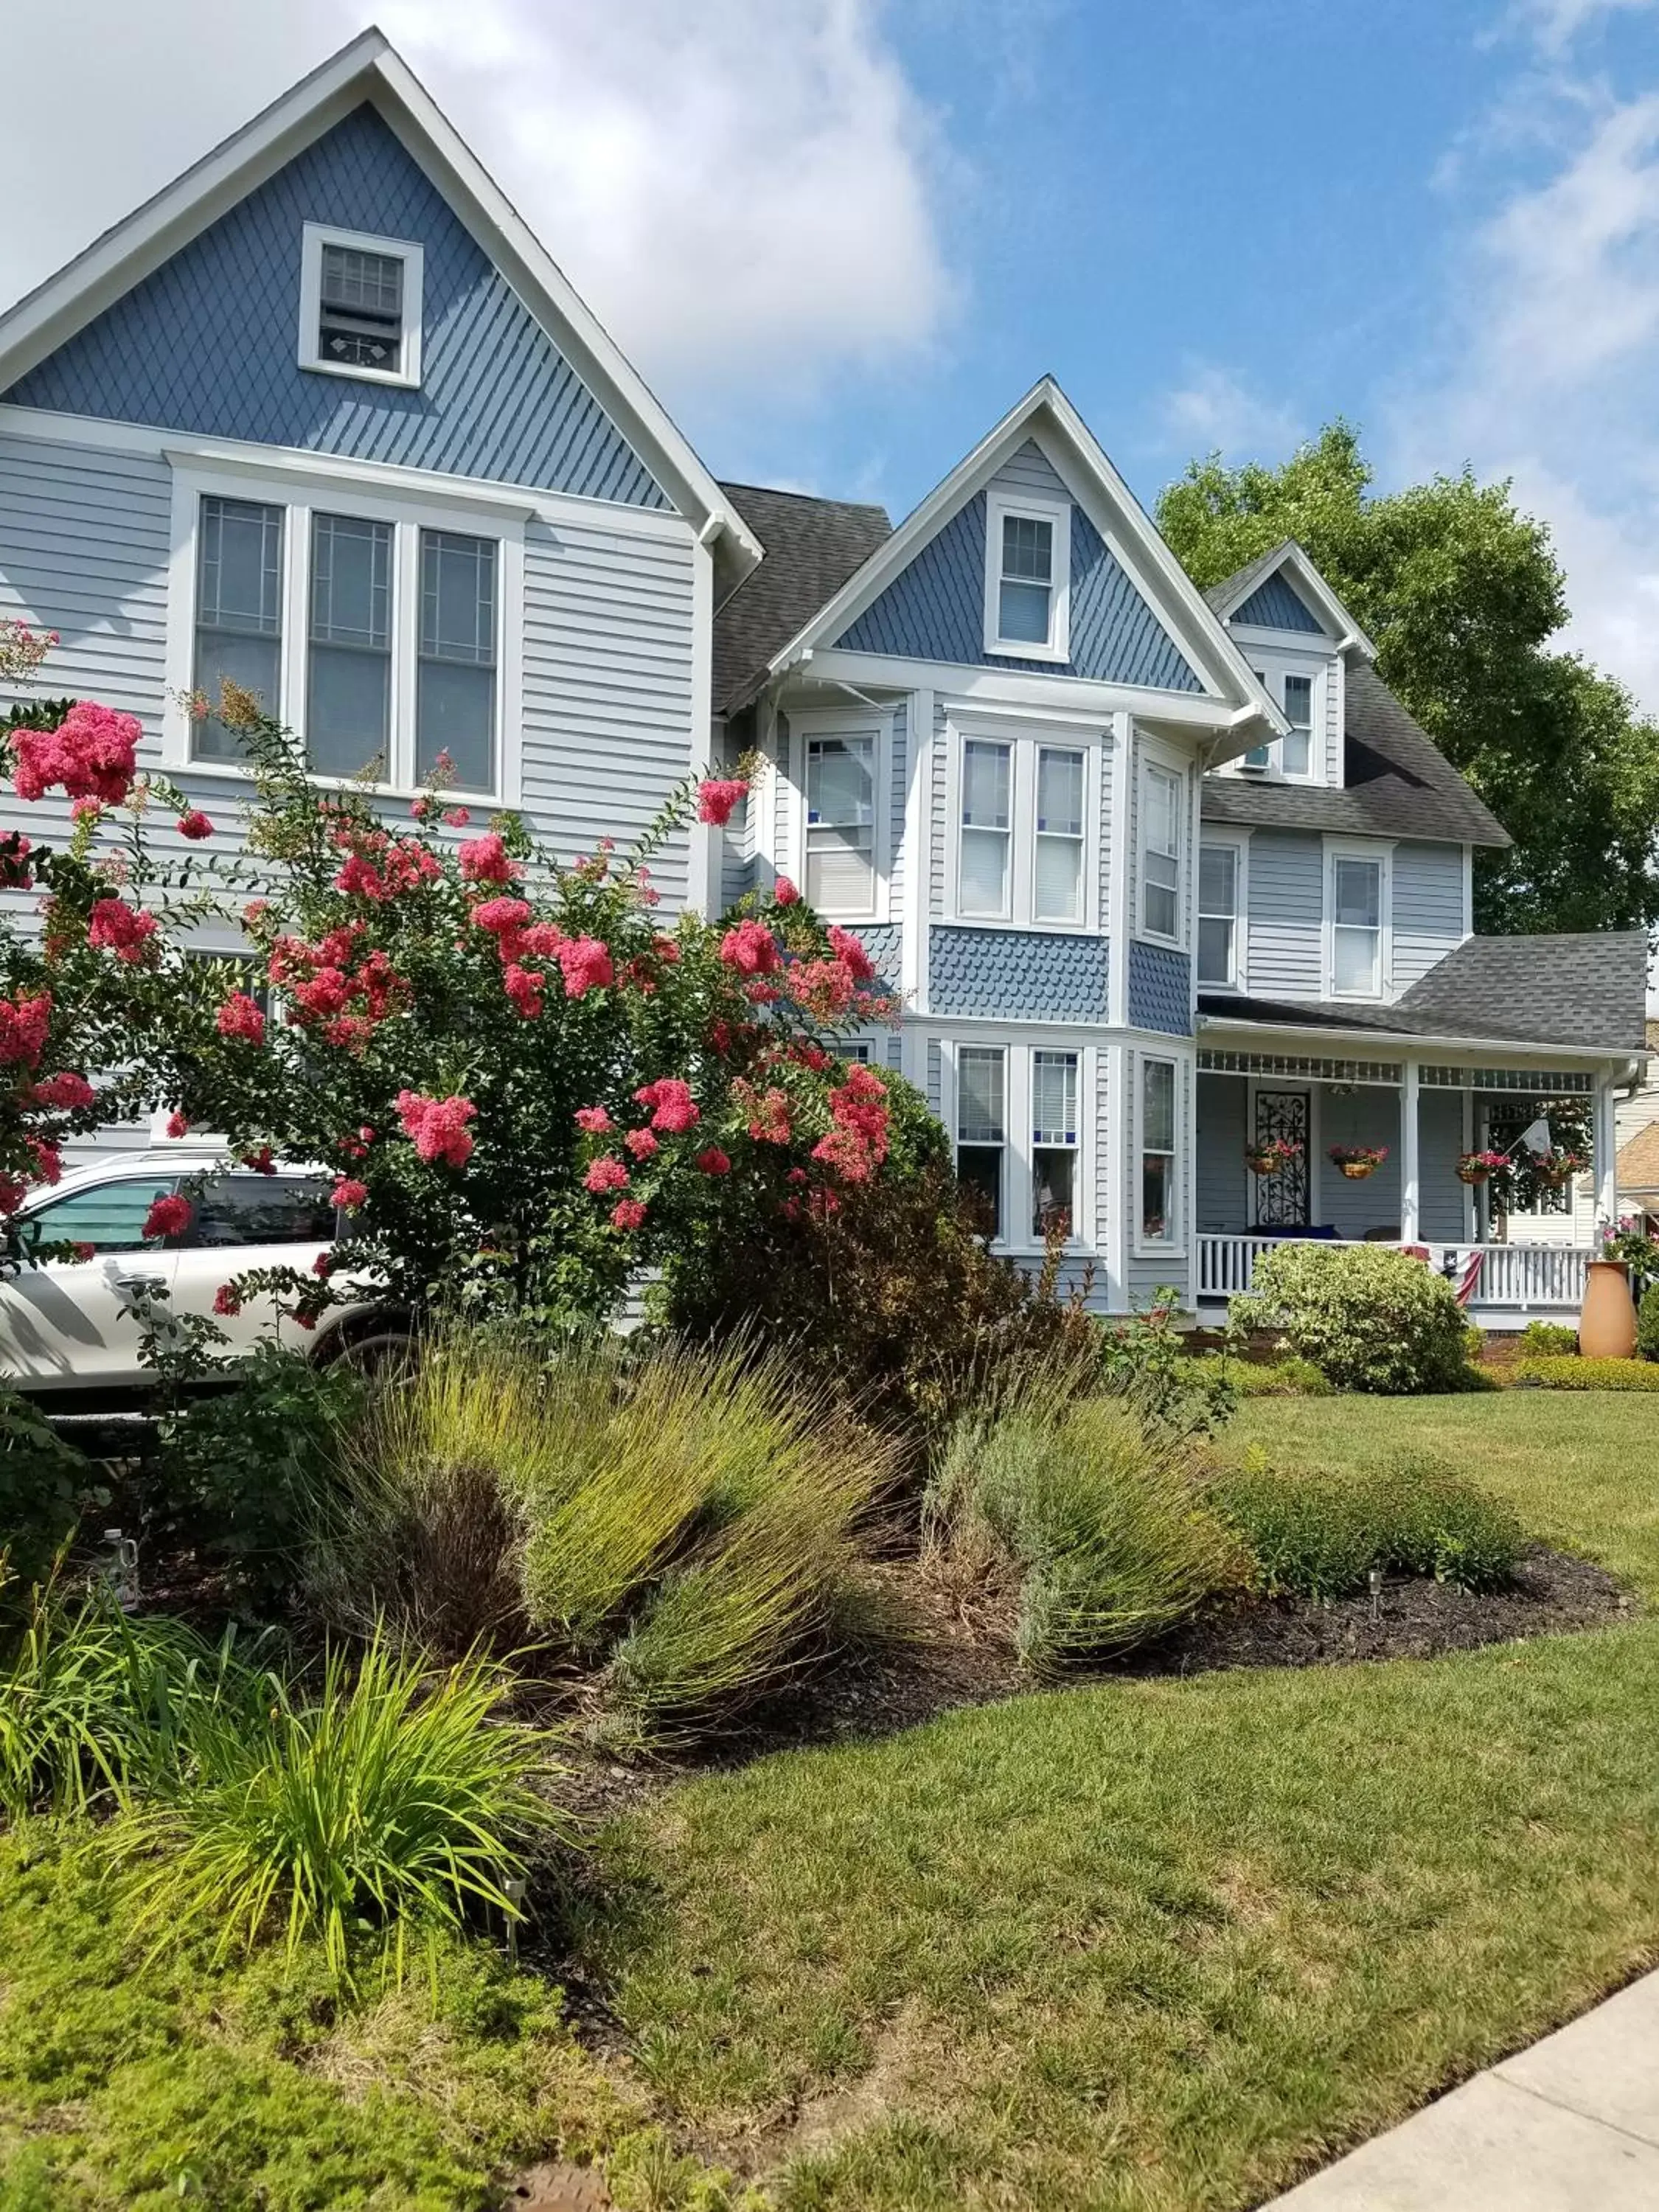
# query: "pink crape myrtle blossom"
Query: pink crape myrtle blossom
115,926
607,1173
437,1127
712,1161
594,1119
784,892
716,798
66,1092
642,1143
673,1107
847,947
93,754
486,860
627,1213
194,825
348,1195
751,949
23,1026
227,1300
586,964
240,1017
167,1217
523,987
177,1125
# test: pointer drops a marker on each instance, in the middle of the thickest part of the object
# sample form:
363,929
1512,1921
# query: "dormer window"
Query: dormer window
360,307
1296,751
1027,550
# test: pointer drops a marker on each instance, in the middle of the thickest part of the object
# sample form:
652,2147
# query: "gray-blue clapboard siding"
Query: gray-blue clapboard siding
1286,915
1428,907
208,342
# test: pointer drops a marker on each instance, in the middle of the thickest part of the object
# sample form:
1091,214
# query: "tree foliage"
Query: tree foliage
1463,594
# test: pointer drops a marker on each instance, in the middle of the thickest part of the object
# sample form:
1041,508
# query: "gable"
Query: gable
206,344
934,608
1275,605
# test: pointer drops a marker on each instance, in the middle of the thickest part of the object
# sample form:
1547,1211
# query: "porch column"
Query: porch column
1605,1160
1410,1208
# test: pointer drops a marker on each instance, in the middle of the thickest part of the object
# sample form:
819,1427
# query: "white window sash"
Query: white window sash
1160,865
1057,513
1350,943
315,237
1171,1241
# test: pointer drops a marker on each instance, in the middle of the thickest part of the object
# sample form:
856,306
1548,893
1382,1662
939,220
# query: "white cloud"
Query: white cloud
1212,409
1555,24
742,189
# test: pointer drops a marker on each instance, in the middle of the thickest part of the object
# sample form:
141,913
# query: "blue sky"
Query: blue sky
840,238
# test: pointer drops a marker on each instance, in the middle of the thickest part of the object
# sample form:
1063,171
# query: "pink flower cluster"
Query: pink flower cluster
330,985
855,1144
486,860
716,798
751,949
437,1127
673,1107
194,825
603,1173
66,1092
93,753
23,1025
115,926
16,873
240,1017
349,1194
769,1122
167,1217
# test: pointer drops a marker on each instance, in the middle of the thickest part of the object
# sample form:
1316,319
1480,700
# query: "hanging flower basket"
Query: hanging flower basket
1479,1167
1271,1156
1357,1161
1560,1168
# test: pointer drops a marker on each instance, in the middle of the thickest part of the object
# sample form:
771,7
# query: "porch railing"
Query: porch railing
1513,1278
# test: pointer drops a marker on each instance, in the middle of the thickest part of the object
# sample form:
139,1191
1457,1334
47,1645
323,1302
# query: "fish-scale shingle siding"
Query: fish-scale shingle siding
1017,974
1160,989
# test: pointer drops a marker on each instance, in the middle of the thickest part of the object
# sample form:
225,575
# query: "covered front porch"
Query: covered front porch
1423,1115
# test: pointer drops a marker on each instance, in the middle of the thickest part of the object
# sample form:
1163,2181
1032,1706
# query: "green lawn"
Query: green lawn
1162,1945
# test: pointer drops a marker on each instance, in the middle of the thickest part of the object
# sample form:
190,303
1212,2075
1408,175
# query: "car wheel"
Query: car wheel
381,1355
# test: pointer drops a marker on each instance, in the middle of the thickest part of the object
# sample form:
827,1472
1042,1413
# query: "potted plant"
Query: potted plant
1357,1161
1271,1156
1479,1167
1560,1167
1607,1320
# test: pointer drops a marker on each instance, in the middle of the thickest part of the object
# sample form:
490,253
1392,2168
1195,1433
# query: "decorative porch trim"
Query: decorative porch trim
1546,1082
1212,1061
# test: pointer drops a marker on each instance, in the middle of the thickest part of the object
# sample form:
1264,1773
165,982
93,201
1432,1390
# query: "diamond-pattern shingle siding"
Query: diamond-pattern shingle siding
208,342
1015,973
1276,604
1160,989
935,611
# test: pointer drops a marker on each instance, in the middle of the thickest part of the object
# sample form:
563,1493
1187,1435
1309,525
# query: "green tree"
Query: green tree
1462,594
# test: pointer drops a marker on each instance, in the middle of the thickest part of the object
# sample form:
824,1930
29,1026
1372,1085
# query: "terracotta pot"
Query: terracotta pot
1607,1325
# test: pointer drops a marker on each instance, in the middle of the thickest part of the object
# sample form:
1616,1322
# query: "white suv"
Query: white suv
67,1325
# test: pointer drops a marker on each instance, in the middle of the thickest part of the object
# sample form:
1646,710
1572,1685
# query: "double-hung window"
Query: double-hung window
1057,876
1027,594
982,1124
1160,851
984,877
377,638
1158,1151
360,305
1218,915
1296,748
1356,896
840,824
1054,1142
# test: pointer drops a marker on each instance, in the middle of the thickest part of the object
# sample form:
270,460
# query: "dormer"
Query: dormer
1299,640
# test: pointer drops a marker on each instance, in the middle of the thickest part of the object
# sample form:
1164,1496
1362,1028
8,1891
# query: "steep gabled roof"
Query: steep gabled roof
1293,562
1585,991
812,546
369,70
1396,782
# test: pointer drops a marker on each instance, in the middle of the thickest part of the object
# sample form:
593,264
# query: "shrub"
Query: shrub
1145,1361
1100,1523
1284,1376
1369,1319
1647,1323
389,1799
45,1485
1320,1535
1581,1374
1550,1340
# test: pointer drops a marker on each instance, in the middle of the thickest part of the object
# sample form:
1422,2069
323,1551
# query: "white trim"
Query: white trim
369,70
1275,662
315,237
1237,841
1379,852
1018,1086
706,845
1468,891
1176,601
1411,1196
851,720
916,837
1000,506
299,498
1175,1246
1321,600
1119,883
1025,738
999,691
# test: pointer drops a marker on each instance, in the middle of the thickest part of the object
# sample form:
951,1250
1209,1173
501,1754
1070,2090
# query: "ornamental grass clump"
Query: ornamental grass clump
1100,1523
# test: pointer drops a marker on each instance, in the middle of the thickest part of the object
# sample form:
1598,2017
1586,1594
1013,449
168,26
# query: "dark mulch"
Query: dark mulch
958,1655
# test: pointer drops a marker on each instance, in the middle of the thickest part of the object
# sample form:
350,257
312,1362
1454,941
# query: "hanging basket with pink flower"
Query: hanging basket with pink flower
1480,1167
1356,1162
1271,1156
1559,1167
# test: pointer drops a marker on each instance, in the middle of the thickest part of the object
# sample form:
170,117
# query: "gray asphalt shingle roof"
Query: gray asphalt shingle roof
1588,990
812,546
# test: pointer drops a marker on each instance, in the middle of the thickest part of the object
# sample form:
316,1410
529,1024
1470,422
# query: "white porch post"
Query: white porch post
1605,1160
1410,1205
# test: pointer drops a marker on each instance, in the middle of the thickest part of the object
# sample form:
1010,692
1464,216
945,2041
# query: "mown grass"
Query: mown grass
1170,1945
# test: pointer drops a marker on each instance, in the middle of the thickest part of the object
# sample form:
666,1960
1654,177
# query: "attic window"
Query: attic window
360,307
1027,578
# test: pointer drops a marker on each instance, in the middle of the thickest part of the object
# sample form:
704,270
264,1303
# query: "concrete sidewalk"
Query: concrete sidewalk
1571,2125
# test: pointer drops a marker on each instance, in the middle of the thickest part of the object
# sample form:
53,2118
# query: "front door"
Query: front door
1281,1199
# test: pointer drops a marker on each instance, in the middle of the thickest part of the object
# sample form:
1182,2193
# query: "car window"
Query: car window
256,1209
110,1216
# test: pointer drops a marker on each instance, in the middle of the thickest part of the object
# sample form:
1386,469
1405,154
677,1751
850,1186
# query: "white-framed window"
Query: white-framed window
838,845
1220,907
1162,799
1055,1141
1356,905
1295,749
360,305
982,1125
1157,1194
985,876
1027,557
1025,803
382,633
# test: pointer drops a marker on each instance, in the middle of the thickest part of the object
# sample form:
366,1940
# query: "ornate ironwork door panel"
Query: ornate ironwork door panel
1281,1199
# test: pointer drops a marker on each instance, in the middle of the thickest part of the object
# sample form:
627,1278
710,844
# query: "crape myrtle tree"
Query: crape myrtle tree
525,1085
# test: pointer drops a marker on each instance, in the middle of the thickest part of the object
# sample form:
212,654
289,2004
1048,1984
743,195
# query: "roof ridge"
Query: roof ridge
818,498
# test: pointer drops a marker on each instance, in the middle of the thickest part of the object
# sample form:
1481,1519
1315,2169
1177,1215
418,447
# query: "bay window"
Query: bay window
1160,851
1025,809
1356,897
982,1124
840,824
1054,1142
239,613
1218,915
984,880
1157,1152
